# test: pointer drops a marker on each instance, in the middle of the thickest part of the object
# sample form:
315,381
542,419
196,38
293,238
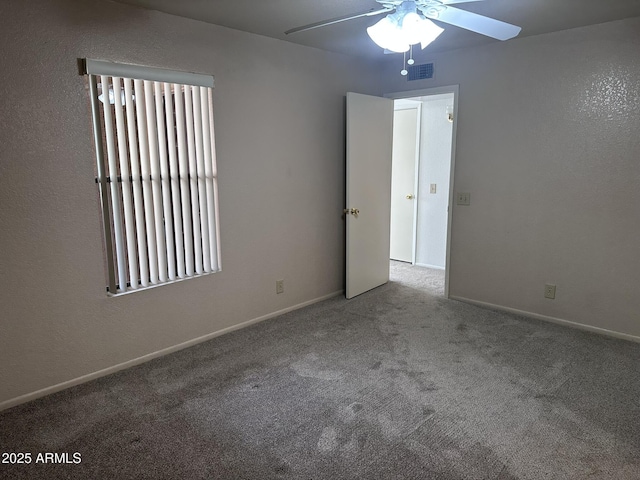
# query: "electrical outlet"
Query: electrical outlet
279,286
463,198
550,291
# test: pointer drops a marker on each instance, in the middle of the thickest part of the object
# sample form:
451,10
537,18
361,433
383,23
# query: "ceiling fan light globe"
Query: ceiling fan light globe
398,46
381,32
412,28
429,32
386,34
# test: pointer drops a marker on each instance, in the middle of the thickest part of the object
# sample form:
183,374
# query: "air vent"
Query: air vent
420,72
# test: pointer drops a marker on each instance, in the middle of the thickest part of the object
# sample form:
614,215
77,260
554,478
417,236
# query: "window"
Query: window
156,172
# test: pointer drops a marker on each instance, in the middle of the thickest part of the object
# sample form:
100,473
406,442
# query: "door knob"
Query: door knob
352,211
410,196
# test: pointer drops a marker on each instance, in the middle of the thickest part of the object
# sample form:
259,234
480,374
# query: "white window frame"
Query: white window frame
156,172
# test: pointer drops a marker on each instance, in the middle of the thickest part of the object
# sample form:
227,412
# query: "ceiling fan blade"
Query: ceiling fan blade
344,18
472,21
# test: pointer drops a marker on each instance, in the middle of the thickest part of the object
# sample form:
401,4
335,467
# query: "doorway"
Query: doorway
422,177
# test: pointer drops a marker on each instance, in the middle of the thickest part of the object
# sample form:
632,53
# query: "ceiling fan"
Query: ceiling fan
409,22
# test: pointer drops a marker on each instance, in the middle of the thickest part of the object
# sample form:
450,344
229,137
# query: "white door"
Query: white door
368,191
403,182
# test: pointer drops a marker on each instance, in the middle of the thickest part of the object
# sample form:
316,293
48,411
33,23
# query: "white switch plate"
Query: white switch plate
463,198
432,188
279,286
549,291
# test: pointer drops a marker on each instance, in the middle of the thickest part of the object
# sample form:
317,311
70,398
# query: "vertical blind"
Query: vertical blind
157,173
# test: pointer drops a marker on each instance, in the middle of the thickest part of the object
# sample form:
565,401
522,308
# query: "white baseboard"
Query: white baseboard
546,318
435,267
145,358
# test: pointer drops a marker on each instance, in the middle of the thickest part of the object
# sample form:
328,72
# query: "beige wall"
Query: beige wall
279,112
548,145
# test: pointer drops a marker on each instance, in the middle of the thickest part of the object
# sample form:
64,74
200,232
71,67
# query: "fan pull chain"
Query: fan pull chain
411,61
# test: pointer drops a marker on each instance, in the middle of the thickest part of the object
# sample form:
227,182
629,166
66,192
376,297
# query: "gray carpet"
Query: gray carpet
398,383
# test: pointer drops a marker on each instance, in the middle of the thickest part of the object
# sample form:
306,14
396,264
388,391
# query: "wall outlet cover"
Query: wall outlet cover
463,198
549,291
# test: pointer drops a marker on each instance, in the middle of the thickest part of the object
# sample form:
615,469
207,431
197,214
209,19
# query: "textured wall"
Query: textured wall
548,144
279,111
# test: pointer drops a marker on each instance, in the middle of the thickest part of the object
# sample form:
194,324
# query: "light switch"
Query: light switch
432,188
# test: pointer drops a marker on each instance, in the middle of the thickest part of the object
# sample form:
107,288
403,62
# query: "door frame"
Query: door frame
454,89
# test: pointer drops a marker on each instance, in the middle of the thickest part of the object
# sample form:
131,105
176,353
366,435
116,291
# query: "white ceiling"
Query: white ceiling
273,17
